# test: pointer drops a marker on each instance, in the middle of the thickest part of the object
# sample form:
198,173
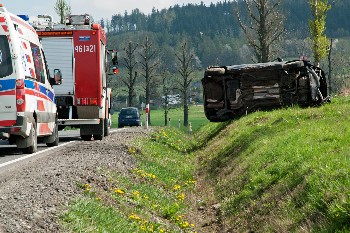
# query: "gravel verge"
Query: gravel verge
34,193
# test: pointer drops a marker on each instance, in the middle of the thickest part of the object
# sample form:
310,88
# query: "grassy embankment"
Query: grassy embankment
278,171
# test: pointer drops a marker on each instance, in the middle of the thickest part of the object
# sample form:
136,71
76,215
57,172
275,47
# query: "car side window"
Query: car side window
38,63
5,57
46,67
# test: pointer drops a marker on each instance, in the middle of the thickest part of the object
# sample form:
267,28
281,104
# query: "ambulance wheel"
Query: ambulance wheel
98,136
106,126
86,137
55,136
34,141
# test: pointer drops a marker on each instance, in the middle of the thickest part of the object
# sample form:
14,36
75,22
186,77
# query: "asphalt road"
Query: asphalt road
9,154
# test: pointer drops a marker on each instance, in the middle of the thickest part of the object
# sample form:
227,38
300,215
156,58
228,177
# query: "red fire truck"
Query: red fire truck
78,49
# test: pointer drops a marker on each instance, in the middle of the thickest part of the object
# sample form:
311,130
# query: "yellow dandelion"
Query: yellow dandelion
136,193
181,196
87,187
119,191
177,187
132,150
185,224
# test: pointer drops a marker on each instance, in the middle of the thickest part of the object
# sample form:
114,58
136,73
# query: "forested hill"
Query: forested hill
220,19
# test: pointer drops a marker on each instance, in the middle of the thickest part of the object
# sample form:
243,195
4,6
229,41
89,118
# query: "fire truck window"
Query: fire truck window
5,57
38,63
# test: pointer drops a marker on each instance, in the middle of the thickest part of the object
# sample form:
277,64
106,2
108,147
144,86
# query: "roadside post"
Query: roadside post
146,115
190,127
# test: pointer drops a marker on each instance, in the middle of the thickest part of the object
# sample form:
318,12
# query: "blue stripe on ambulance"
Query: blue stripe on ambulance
7,84
30,84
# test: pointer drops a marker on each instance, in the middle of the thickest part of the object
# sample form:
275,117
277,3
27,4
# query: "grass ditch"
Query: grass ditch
150,198
278,171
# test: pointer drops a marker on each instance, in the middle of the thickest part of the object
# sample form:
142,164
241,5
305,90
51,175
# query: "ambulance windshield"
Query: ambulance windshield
5,57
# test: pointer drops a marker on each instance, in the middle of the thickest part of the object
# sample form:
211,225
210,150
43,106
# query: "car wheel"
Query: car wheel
215,71
34,141
55,135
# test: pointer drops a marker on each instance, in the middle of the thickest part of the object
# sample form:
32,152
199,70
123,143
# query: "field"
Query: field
196,118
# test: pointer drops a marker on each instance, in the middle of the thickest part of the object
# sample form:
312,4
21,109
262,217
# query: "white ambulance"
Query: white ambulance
27,100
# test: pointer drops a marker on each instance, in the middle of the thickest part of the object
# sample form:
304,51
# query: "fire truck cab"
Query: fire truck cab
27,106
78,49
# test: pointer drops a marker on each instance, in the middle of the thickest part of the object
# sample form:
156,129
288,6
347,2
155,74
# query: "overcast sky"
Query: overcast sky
97,8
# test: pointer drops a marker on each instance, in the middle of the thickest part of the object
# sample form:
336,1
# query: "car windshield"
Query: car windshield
5,57
129,112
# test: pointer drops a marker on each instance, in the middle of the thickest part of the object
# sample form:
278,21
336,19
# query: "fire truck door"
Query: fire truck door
60,55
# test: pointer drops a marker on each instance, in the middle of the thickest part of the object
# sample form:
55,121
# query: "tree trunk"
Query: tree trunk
186,109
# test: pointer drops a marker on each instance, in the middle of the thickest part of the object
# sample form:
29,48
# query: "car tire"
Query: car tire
215,71
34,138
55,135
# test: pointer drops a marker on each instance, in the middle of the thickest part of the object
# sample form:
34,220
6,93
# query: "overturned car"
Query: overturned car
233,91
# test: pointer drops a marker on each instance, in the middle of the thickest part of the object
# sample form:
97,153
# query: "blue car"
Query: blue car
129,117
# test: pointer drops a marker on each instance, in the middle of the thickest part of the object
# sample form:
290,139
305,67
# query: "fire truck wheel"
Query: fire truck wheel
106,126
86,137
33,139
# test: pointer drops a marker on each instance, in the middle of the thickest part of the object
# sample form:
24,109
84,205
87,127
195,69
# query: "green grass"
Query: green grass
285,170
151,197
196,118
278,171
84,217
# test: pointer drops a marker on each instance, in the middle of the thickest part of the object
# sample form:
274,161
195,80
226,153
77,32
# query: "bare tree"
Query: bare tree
166,89
62,8
148,65
264,26
185,61
130,63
